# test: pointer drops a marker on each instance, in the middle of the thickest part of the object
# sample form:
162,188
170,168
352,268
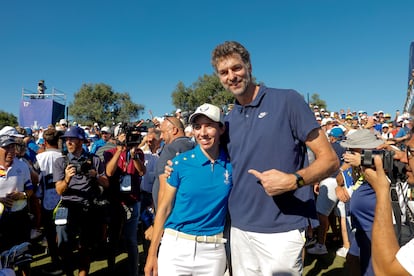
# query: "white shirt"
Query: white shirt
405,256
16,178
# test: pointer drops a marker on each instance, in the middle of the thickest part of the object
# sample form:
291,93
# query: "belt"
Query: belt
205,239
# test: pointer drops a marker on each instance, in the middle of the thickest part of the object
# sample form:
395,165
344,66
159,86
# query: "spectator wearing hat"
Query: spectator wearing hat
179,116
319,120
15,188
63,125
388,256
191,221
78,177
327,199
386,134
106,134
327,124
362,202
26,150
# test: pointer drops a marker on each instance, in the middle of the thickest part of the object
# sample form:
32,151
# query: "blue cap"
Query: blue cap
74,132
336,132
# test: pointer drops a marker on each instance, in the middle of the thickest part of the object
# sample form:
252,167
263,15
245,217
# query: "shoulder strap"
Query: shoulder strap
396,209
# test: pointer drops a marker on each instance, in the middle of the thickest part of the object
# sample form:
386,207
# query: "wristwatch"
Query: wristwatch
299,180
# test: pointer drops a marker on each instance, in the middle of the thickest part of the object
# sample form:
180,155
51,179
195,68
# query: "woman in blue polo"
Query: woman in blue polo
192,205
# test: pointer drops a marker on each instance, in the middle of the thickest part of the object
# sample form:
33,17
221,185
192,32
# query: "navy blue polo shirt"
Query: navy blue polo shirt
269,133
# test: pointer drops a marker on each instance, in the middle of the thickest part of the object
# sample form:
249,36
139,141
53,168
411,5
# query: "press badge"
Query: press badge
61,217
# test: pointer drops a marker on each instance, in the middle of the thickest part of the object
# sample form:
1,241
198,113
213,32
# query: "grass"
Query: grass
328,264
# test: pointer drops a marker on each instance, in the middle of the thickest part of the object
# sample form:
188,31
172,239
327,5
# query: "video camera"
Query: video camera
394,169
132,133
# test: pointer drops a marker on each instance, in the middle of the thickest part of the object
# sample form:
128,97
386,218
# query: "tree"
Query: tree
99,103
7,119
207,89
315,100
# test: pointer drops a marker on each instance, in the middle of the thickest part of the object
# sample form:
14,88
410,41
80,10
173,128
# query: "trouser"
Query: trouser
128,229
14,228
83,222
266,254
179,256
50,234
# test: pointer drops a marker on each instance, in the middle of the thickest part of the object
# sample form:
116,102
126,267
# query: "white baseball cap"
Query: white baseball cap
210,111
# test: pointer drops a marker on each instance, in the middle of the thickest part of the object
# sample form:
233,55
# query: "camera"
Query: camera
132,133
394,169
367,158
82,167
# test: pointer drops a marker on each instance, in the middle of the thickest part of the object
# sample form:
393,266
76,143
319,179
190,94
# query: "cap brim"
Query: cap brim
7,143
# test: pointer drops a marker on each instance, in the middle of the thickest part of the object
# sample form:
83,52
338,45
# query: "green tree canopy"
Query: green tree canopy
316,100
7,119
207,89
99,103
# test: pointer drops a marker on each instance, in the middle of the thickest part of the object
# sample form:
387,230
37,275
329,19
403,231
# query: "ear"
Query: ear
175,130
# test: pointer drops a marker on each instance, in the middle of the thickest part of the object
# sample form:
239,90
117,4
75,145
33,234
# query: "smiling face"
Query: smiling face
207,133
234,74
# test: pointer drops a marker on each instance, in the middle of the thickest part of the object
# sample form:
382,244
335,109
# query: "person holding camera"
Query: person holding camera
388,258
362,203
79,178
125,168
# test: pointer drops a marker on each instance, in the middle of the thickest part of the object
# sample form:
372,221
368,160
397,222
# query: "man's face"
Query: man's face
234,75
166,129
73,144
9,152
407,158
105,136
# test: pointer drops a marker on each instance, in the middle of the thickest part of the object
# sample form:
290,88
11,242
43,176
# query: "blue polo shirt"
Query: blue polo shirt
200,206
270,133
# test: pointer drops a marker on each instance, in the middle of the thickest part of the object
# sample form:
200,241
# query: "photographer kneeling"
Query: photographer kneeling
387,256
79,177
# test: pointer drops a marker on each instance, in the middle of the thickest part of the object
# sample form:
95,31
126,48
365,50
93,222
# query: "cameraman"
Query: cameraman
388,258
362,201
78,177
125,168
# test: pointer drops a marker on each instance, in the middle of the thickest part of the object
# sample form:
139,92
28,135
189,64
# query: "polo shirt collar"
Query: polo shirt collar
203,160
83,156
256,101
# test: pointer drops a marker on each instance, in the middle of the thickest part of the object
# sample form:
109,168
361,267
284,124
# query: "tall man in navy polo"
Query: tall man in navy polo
272,200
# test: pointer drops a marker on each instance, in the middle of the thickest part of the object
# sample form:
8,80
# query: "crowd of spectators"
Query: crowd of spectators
33,143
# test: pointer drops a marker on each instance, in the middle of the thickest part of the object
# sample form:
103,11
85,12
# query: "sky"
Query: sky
354,54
